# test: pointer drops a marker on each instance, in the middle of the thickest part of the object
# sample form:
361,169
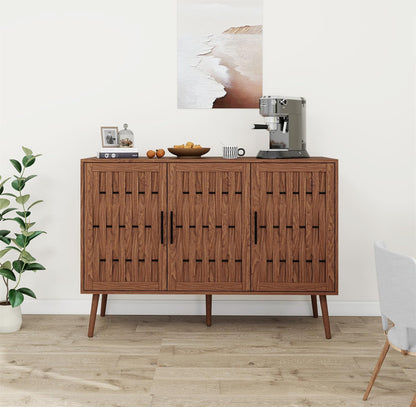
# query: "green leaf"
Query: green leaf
21,222
4,203
26,256
30,177
4,181
18,184
17,165
4,232
27,151
34,203
8,210
5,240
21,241
34,266
15,298
6,265
23,199
24,214
34,234
28,160
8,274
4,251
1,189
13,195
13,248
27,291
18,265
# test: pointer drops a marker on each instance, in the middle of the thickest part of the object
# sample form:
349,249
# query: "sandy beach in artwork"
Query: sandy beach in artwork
240,51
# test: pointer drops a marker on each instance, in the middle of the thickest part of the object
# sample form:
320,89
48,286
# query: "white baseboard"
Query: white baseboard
196,306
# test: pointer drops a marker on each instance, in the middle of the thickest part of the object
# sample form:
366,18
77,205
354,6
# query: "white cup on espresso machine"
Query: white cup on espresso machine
232,152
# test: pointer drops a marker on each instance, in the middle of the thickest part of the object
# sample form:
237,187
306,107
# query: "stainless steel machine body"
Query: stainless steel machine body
286,122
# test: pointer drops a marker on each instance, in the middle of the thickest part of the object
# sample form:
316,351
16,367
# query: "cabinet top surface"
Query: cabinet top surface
208,160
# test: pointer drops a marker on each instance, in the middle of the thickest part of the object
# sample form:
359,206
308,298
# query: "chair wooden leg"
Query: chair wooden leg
103,304
208,307
325,317
93,314
314,306
413,404
380,361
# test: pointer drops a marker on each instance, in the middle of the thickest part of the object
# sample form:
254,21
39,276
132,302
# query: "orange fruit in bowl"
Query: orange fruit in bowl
160,152
150,153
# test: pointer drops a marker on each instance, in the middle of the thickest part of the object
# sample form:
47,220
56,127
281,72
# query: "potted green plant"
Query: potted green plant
15,258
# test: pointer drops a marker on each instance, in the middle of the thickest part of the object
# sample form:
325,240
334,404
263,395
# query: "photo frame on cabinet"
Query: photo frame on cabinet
109,136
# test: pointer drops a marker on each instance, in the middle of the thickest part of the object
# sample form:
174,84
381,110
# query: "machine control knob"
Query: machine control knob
283,102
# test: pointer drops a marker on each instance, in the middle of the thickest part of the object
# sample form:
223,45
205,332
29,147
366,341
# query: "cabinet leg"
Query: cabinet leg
208,306
103,304
93,314
325,317
314,306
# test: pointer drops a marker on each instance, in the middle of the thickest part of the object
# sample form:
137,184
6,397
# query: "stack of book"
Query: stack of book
120,152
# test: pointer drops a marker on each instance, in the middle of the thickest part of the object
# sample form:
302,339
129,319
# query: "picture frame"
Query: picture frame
109,136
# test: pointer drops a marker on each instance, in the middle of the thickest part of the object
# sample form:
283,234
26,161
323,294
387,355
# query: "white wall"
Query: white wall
69,67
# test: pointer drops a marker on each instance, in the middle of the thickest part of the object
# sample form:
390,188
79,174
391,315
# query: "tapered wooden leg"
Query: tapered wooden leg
103,304
380,361
325,317
93,314
208,306
314,306
413,404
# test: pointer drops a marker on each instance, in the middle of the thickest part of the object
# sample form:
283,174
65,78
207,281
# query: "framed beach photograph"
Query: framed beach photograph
219,54
109,136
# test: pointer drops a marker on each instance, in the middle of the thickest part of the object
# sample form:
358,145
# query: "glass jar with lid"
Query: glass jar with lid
126,137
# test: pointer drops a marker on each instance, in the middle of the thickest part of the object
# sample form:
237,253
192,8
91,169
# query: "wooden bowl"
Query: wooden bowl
189,152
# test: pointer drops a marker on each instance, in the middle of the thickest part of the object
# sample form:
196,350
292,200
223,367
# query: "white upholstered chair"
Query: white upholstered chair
396,277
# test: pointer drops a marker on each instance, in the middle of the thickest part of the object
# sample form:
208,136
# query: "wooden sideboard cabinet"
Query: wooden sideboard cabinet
209,226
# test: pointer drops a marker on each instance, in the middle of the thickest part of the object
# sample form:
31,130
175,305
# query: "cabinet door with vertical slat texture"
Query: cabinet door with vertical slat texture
294,244
209,245
124,207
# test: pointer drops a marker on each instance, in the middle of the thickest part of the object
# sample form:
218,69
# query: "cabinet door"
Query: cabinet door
294,227
124,215
209,227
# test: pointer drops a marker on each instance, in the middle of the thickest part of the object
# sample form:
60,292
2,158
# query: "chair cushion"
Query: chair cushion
400,337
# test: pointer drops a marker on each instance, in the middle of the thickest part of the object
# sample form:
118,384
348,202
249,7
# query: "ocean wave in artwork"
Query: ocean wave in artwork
197,86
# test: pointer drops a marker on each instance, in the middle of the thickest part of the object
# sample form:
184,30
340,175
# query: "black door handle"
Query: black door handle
161,227
255,227
171,227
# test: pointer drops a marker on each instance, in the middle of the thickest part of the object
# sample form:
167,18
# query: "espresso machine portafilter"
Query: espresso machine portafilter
286,122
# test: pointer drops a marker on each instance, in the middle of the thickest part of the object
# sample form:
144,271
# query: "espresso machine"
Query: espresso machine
285,120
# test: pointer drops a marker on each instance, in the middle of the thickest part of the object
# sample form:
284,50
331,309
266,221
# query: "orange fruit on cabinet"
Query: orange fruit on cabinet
160,152
150,153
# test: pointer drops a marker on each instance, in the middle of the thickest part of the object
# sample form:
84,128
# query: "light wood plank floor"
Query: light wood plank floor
154,361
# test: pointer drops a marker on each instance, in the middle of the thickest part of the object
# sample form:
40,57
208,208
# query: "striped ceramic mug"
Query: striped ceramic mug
232,152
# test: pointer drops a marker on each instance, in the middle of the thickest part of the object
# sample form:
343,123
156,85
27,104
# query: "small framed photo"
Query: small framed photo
109,136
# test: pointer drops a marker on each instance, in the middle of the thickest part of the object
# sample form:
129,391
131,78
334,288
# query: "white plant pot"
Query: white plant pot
10,318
